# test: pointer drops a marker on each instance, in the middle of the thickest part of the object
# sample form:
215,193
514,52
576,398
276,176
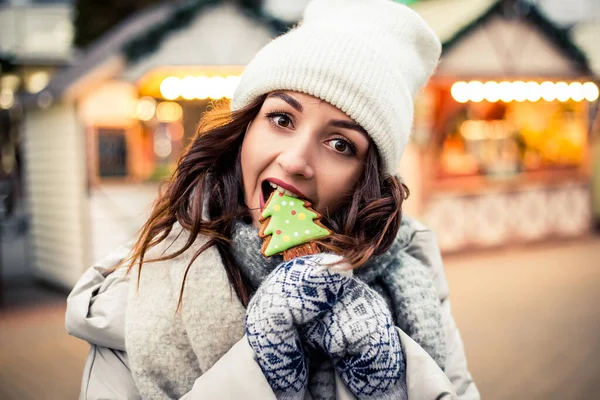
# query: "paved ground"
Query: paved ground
38,360
529,318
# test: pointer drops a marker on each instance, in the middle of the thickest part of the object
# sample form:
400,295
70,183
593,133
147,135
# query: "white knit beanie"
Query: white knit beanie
369,58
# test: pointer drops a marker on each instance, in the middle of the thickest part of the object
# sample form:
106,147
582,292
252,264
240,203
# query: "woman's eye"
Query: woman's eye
341,146
282,120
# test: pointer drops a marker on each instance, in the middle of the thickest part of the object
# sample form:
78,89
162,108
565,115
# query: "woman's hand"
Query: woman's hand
294,294
358,333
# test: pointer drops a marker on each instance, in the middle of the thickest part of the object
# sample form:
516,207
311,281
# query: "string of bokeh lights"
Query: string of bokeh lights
520,91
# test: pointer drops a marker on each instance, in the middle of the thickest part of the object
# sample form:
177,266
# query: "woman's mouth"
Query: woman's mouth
268,186
286,188
280,189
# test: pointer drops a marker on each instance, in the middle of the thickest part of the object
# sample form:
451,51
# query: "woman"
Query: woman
322,113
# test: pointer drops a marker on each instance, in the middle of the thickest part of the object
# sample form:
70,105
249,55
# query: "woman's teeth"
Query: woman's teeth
282,190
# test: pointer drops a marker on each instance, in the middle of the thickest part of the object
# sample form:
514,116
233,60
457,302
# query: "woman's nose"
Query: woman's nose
296,161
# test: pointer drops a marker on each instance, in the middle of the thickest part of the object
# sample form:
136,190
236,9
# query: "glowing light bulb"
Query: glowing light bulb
519,90
188,87
590,91
37,81
460,92
170,88
506,91
562,91
547,91
576,91
491,91
533,91
476,91
7,99
168,111
217,84
202,87
145,108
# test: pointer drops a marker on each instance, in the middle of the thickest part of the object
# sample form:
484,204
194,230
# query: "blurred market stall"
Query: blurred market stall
107,129
502,137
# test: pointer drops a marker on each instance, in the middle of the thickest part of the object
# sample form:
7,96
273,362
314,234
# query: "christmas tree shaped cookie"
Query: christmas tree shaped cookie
289,226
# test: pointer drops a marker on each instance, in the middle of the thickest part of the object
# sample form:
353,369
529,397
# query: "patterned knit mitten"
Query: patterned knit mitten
359,335
295,293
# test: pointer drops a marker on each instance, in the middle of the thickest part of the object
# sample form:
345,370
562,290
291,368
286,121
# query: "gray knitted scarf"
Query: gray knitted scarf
403,281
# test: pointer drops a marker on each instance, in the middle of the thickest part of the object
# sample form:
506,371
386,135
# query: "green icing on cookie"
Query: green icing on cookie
291,224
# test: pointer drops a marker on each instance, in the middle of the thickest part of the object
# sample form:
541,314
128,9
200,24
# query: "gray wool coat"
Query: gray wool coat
96,314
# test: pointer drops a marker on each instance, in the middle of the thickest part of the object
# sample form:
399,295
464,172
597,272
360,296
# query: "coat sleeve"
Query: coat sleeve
96,313
423,246
96,305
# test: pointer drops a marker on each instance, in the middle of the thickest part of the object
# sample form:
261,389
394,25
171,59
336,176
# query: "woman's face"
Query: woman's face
304,145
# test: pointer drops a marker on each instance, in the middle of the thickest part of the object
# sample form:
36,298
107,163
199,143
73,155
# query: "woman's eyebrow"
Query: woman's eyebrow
288,99
338,123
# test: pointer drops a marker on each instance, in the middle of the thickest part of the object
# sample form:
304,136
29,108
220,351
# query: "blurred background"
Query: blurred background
98,99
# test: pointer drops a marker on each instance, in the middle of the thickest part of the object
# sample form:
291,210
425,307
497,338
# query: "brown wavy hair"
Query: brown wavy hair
208,174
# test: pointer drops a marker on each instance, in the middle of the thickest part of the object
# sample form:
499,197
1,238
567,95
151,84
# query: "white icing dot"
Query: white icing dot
283,203
287,221
291,203
295,233
307,231
276,246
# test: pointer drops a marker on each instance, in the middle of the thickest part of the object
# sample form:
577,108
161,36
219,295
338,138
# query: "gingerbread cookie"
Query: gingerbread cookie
290,226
